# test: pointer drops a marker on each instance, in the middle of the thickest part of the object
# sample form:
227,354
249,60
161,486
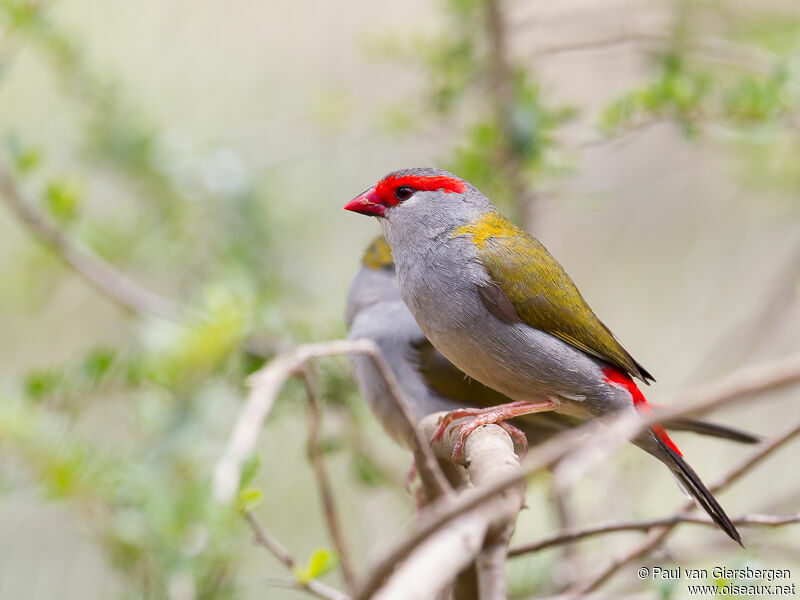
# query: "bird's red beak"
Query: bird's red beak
368,203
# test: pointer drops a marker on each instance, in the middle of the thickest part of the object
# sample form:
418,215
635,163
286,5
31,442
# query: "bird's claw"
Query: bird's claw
478,418
453,415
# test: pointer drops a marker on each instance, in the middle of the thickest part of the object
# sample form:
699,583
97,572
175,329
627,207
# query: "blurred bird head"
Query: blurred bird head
375,281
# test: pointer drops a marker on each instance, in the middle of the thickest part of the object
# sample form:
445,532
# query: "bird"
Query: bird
430,383
500,308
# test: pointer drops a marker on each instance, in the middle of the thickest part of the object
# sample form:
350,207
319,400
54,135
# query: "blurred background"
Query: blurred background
204,151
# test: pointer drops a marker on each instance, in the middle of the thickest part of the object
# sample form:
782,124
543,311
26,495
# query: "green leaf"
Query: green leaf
248,498
26,158
249,471
367,471
98,362
42,383
321,561
62,198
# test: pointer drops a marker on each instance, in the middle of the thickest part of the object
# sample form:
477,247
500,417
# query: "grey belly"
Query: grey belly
520,361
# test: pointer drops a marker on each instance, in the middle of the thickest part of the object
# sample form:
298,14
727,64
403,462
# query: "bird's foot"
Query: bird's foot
497,415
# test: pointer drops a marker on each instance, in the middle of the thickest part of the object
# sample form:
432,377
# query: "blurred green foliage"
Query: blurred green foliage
459,89
173,386
747,94
321,561
170,388
532,143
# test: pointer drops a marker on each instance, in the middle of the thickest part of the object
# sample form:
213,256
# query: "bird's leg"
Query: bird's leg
459,413
493,415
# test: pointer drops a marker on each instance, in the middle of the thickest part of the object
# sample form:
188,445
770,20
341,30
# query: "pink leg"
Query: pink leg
493,415
459,413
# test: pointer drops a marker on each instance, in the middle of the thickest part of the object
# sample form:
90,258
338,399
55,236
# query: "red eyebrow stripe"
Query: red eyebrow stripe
386,187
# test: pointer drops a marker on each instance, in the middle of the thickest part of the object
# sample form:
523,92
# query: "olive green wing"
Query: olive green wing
529,285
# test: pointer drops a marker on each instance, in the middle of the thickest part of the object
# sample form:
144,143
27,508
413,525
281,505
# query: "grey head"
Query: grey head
424,199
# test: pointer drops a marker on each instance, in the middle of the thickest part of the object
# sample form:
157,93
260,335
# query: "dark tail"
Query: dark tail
691,481
713,430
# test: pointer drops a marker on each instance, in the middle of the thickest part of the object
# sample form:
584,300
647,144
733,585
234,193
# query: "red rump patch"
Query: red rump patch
620,379
386,186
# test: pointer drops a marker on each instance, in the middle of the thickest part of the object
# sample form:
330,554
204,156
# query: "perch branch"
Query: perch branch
480,533
567,536
657,535
265,539
265,385
99,273
323,483
434,563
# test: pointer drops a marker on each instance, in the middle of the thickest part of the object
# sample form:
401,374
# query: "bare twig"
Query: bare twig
100,274
269,542
738,385
263,538
710,49
567,536
657,535
265,385
323,483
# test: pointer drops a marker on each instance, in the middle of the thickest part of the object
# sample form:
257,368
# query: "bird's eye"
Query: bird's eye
403,192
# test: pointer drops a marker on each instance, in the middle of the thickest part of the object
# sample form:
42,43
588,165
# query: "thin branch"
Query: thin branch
738,385
265,539
659,534
99,273
710,49
269,542
323,483
624,137
567,536
265,385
